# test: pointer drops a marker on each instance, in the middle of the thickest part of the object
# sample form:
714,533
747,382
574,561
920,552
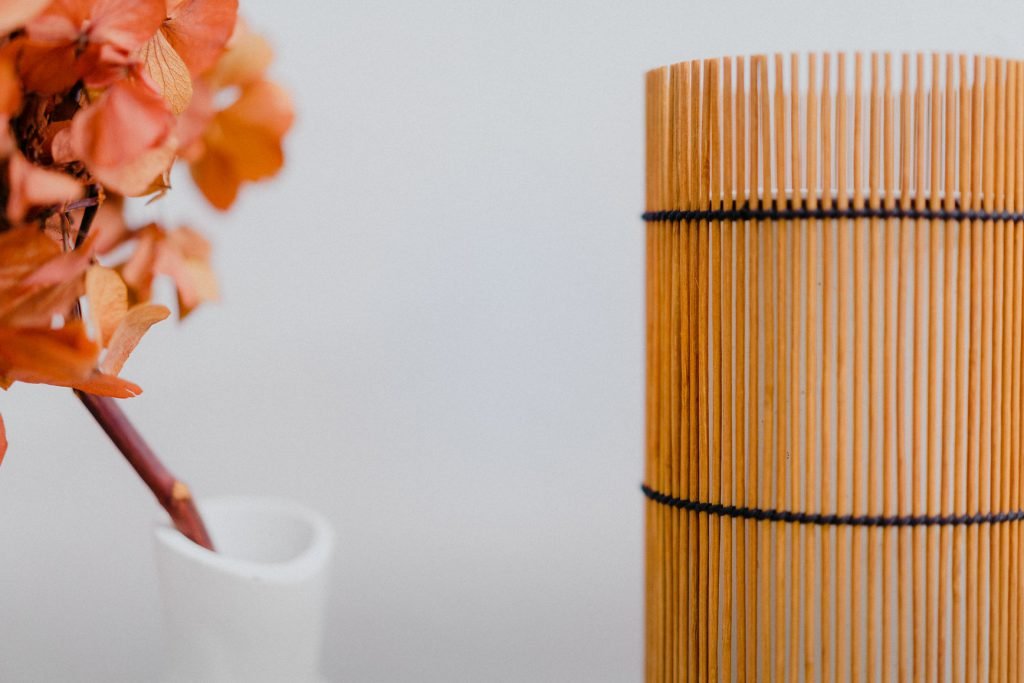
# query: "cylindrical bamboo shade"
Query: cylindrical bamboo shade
835,302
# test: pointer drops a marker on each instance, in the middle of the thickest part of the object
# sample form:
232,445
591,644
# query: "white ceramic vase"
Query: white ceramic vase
254,610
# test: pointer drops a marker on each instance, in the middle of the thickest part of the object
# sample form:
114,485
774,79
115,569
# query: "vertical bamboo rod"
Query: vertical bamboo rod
876,646
726,380
934,394
891,624
921,437
861,434
904,435
714,168
743,622
828,629
964,301
810,578
754,450
767,306
780,389
945,586
693,542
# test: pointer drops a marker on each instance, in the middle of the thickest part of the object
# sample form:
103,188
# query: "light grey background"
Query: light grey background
431,331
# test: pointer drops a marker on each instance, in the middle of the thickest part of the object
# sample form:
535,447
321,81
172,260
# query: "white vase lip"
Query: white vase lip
300,567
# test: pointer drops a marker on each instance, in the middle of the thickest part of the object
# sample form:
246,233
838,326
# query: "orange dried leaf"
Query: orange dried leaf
109,225
107,385
108,301
138,271
125,24
22,250
143,175
214,175
245,61
37,281
128,333
33,186
128,120
40,355
47,69
15,13
10,86
168,71
199,29
38,305
243,142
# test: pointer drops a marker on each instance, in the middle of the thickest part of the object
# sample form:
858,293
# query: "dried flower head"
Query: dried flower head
98,100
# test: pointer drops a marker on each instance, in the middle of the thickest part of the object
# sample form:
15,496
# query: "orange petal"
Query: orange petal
61,22
190,243
168,71
129,120
16,13
127,335
108,385
192,122
37,281
214,175
33,186
47,69
10,86
199,30
138,271
60,357
141,176
22,250
37,306
109,225
246,60
126,24
262,104
108,301
250,130
197,287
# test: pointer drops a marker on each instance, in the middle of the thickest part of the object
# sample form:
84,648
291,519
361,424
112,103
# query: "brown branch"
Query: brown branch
171,493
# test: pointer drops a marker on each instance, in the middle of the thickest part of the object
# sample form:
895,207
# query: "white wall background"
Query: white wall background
431,331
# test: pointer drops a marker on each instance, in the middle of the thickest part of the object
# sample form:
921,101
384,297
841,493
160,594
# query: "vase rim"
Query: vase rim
302,565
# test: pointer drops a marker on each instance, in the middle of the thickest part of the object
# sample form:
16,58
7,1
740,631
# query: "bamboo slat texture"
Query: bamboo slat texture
835,311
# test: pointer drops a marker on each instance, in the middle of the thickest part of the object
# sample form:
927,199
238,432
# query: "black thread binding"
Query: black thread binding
829,519
803,212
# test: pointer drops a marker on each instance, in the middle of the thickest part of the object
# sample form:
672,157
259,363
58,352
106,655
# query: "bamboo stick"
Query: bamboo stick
945,586
796,493
828,630
875,643
767,394
810,577
780,391
904,435
711,255
859,425
934,392
726,380
743,622
892,624
693,555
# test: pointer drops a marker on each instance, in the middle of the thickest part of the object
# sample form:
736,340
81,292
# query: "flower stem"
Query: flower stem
171,493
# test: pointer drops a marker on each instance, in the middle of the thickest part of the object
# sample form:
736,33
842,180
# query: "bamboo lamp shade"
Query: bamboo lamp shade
835,315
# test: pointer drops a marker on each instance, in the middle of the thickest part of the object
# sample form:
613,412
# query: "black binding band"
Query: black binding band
821,519
803,212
